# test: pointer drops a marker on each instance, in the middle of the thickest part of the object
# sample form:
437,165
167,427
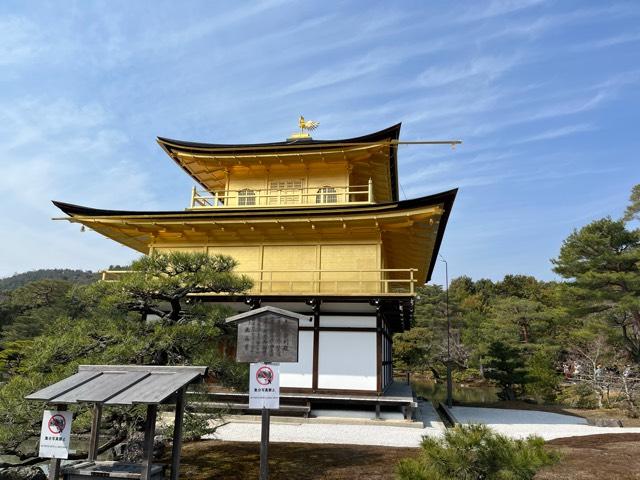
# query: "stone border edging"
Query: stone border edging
450,417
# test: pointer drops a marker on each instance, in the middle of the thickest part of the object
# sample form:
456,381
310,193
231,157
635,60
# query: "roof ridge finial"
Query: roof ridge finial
308,125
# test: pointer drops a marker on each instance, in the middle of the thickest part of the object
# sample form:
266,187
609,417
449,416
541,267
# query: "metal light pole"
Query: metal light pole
449,379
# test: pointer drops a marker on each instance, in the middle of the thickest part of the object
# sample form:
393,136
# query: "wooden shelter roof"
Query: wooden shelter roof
119,384
208,163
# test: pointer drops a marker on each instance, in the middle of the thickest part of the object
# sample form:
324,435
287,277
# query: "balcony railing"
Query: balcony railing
388,281
327,195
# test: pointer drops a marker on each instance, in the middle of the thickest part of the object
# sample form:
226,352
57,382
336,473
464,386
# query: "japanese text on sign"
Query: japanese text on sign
267,338
55,434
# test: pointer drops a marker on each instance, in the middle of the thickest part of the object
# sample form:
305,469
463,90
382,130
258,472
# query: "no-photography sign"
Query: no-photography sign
264,386
55,434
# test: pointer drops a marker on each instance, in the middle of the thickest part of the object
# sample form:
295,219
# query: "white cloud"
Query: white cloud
557,133
480,68
497,8
608,41
536,28
20,40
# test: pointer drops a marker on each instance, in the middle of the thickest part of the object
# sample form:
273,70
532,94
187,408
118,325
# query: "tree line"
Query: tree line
518,332
51,326
19,279
530,336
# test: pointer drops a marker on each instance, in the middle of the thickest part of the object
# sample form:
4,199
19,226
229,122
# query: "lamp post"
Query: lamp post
449,380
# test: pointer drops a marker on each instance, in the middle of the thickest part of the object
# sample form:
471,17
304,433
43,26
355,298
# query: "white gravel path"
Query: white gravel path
521,423
513,423
324,433
384,435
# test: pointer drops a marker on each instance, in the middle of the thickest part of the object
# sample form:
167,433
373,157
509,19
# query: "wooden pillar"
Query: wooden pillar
177,434
379,358
316,344
96,416
149,434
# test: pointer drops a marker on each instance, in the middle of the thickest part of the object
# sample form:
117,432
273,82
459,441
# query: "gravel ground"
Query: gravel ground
521,423
384,435
513,423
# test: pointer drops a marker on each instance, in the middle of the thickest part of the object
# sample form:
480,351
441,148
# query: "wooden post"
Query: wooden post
370,191
177,435
54,463
54,469
96,416
316,345
264,446
149,434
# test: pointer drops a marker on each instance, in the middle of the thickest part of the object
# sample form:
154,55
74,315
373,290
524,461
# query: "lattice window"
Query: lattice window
285,184
246,197
326,194
285,191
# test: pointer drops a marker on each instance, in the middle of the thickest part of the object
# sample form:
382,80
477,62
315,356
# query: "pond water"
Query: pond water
461,393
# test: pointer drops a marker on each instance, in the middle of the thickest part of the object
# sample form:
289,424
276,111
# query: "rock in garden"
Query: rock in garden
606,422
22,473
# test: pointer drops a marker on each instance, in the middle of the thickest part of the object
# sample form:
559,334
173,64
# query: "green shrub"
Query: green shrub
579,395
474,452
544,380
467,375
197,425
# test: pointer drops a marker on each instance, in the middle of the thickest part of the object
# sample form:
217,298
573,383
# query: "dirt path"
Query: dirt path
215,460
614,456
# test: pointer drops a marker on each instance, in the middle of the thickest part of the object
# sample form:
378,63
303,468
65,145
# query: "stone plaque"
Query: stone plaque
267,337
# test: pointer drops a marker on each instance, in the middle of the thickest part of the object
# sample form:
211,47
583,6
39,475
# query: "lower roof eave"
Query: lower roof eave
445,198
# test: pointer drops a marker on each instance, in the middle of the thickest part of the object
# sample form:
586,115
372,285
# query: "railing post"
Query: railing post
412,288
215,199
370,190
193,196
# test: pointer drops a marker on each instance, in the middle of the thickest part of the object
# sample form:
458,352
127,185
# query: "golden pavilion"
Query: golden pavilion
319,227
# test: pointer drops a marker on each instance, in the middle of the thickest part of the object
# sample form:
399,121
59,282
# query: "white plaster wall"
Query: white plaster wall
299,375
347,321
347,360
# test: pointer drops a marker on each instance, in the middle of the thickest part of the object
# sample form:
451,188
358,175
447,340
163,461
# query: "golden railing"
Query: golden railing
387,281
249,198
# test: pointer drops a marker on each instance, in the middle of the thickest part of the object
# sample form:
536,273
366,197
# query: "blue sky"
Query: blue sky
544,94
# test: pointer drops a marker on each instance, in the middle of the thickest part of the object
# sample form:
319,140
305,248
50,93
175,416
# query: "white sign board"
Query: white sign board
55,434
264,386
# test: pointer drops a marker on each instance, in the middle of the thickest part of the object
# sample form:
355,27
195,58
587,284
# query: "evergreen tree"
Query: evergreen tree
633,209
602,262
102,325
505,365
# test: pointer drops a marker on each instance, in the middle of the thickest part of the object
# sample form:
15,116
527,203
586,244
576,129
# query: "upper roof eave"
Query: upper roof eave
173,147
392,133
